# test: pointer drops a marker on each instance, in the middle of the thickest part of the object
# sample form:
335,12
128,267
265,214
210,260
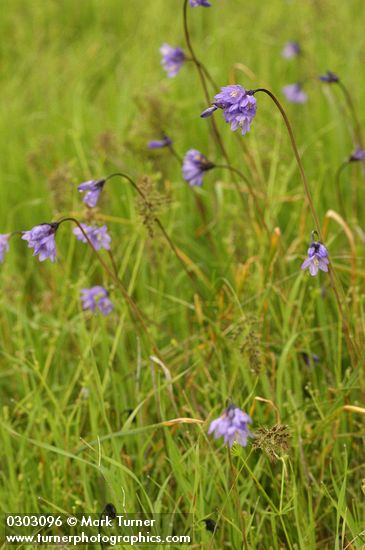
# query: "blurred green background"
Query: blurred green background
81,93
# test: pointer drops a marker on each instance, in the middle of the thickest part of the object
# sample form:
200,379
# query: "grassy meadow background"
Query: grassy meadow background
81,92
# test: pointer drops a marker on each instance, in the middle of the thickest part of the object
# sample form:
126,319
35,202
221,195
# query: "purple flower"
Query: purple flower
233,426
96,297
317,258
290,50
158,143
294,93
4,245
93,188
98,236
42,239
329,77
239,107
358,154
196,3
194,166
172,59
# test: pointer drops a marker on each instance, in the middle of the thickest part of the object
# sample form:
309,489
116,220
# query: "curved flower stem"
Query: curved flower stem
157,221
296,154
352,345
202,71
351,107
116,279
338,186
250,190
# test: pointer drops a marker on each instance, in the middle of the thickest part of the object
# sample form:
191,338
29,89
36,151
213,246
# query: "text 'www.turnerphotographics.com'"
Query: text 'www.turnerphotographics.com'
79,529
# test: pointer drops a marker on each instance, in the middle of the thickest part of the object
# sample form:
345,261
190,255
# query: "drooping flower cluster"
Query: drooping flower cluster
317,258
42,239
290,50
194,166
294,93
95,298
329,77
159,143
172,59
4,245
196,3
233,426
239,107
357,155
98,236
93,189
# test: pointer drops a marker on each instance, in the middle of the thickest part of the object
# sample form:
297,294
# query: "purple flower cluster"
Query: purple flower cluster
95,298
98,236
233,426
239,107
317,258
194,166
290,50
93,189
4,245
294,93
42,239
172,59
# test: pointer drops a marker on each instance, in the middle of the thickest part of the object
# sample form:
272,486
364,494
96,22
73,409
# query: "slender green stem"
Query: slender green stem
268,499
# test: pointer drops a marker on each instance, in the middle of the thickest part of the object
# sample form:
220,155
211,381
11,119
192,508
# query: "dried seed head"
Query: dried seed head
149,207
272,441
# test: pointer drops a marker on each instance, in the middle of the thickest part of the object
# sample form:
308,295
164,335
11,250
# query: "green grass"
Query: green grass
81,92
